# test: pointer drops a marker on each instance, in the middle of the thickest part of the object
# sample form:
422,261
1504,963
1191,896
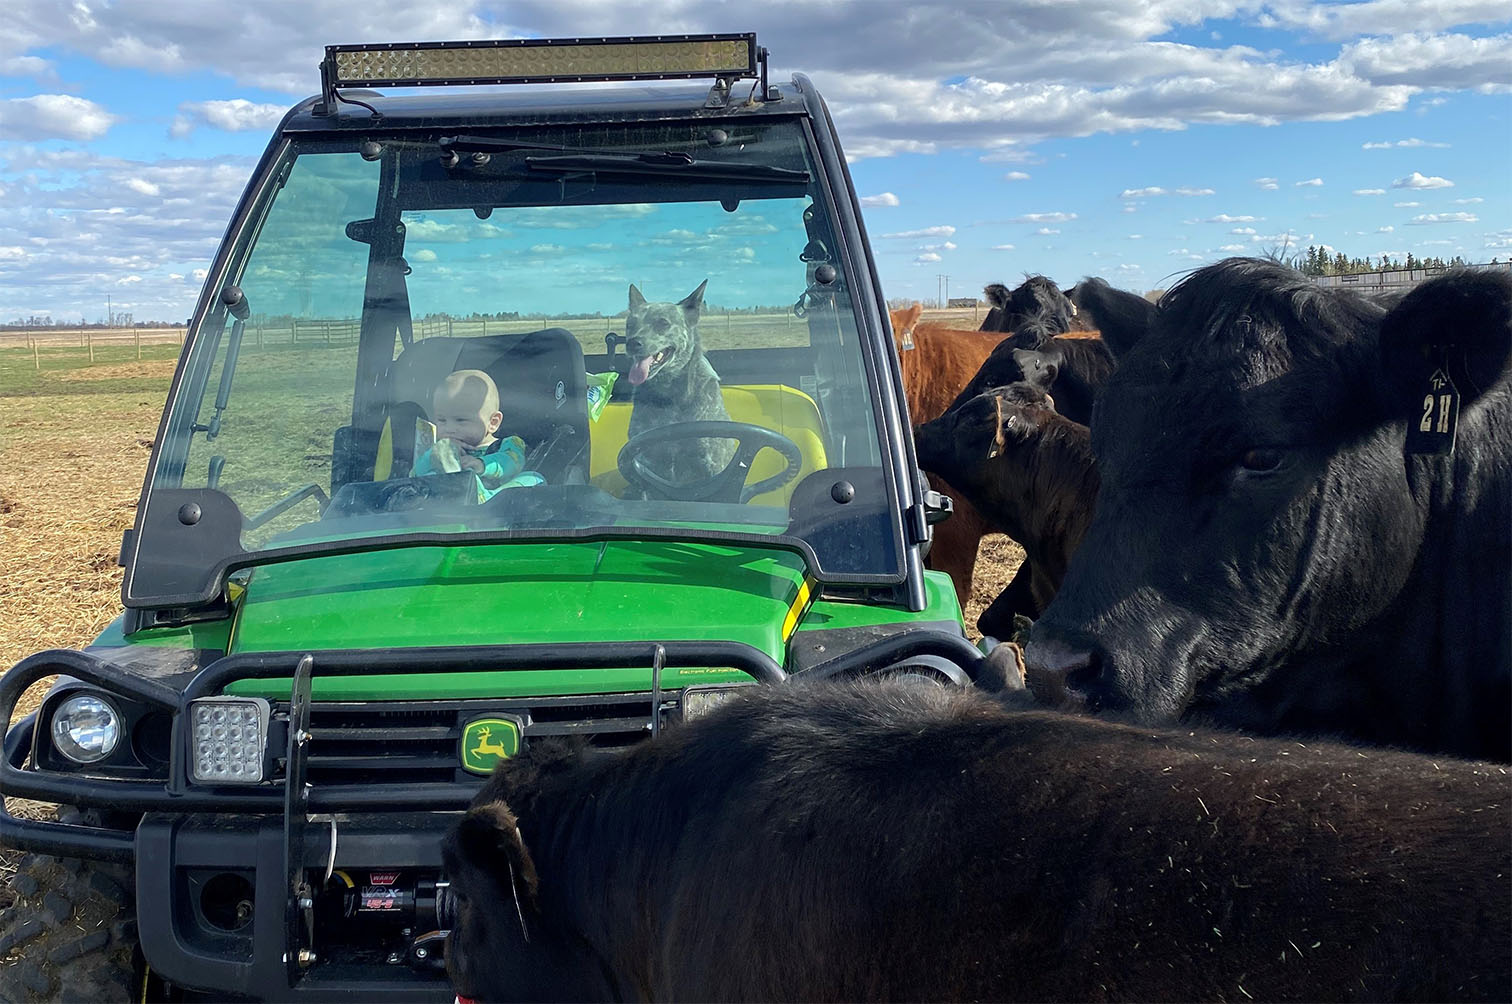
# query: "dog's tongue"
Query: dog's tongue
640,371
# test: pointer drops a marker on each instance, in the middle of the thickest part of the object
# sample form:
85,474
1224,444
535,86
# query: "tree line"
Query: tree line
1319,262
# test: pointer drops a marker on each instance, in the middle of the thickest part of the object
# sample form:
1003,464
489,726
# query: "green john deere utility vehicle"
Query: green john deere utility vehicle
323,651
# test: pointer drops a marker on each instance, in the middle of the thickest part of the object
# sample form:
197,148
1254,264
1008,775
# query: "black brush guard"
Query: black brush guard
297,832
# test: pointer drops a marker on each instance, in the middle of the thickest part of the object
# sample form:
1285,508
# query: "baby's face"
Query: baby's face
463,421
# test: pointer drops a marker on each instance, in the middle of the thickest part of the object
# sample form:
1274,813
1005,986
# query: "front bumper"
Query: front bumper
285,837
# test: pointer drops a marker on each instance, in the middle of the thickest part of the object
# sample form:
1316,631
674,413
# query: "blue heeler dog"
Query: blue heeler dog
674,382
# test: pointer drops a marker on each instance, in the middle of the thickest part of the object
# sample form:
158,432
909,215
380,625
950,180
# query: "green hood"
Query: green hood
515,594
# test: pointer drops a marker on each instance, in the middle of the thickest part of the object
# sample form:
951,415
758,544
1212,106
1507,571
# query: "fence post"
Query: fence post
138,333
293,330
259,331
36,359
327,326
90,343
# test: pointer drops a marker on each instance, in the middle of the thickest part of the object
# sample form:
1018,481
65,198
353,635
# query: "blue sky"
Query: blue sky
989,140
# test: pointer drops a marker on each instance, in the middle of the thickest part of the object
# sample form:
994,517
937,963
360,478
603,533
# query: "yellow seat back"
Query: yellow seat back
773,406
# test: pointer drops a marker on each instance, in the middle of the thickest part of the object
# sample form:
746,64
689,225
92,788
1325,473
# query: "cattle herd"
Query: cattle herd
1253,746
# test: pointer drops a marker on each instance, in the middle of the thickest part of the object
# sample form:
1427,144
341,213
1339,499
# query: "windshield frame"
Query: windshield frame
173,560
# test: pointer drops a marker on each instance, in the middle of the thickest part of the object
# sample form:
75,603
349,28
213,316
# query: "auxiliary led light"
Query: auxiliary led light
543,60
86,729
227,738
699,701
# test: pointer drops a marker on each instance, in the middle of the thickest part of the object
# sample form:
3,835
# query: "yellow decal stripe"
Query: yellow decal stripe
796,609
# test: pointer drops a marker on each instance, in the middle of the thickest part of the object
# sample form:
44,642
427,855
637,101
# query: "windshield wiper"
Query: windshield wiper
666,162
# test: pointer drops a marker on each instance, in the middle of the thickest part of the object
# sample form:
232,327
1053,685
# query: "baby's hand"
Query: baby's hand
470,463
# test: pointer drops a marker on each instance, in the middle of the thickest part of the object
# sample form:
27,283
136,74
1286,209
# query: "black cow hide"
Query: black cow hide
907,842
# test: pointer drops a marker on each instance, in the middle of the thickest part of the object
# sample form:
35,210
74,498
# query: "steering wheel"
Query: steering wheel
726,486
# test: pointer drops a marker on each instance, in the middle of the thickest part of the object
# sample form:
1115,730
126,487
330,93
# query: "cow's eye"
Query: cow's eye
1261,461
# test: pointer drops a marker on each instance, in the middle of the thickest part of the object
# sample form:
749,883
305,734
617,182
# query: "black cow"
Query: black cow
1072,367
1097,304
1029,472
1272,549
1036,302
874,841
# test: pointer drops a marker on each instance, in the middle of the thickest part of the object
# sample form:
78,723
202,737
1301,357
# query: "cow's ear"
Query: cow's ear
1039,368
1460,323
489,840
1123,318
636,299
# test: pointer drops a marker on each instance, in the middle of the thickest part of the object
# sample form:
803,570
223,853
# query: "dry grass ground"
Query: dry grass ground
74,443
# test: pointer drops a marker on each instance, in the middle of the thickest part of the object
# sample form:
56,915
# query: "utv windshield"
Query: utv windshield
529,332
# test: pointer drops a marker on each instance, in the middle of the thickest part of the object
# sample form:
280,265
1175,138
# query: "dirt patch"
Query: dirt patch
146,369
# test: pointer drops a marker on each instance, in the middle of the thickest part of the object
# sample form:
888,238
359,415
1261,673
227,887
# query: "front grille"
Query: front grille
413,742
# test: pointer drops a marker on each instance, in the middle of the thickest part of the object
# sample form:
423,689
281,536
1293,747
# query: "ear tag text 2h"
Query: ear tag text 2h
1432,427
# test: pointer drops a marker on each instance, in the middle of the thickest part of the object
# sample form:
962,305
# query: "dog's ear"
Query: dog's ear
692,304
636,300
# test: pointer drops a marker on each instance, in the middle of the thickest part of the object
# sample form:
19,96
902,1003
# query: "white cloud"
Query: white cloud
1130,208
422,255
11,253
143,186
1046,232
1386,229
1233,248
873,201
1412,143
1426,218
945,246
940,231
1135,237
234,115
1309,183
53,116
1016,176
1226,218
1405,205
1499,240
1244,231
1194,191
1141,193
1433,61
1469,202
1002,247
927,258
1044,218
1370,191
1268,184
1416,180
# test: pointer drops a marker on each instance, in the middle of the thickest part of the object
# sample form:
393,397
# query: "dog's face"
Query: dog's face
662,337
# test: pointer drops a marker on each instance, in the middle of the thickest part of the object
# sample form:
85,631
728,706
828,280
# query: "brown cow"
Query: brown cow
1030,473
892,841
937,361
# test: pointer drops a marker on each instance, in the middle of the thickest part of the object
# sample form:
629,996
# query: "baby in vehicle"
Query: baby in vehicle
465,411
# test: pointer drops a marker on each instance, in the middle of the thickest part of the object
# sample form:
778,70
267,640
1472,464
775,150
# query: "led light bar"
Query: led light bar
539,60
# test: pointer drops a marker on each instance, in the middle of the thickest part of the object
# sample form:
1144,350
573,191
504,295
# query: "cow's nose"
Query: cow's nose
1061,674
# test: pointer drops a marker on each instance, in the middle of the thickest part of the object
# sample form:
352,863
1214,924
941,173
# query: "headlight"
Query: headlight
227,737
85,729
702,700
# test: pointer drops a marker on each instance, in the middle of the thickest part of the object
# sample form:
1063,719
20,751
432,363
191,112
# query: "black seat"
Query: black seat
542,394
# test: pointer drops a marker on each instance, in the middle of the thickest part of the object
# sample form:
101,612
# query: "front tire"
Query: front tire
70,934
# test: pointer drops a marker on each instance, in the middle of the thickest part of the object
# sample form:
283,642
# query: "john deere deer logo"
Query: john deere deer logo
486,741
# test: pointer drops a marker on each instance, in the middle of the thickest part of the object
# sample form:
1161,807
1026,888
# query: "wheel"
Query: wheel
726,486
70,934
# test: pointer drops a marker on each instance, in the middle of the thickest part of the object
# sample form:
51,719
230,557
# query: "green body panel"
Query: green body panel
205,635
941,605
516,594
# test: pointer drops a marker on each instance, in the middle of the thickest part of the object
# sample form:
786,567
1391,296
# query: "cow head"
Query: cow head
1028,356
1037,300
1258,518
983,445
504,943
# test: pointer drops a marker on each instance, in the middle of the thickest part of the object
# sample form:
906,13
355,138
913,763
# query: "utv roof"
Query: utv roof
538,105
